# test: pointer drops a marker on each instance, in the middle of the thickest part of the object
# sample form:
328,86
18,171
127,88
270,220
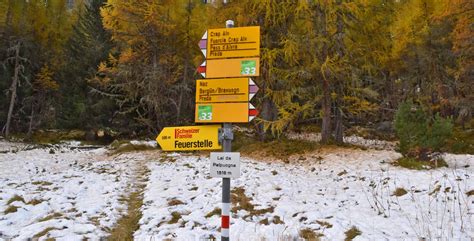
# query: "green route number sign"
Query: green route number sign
205,112
248,67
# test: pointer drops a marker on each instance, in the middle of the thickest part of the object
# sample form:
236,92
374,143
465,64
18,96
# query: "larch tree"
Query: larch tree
279,90
318,50
461,12
421,53
42,29
153,73
372,89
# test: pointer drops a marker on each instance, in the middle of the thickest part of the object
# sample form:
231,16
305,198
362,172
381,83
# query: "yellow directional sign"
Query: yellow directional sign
225,68
225,90
233,42
188,138
224,112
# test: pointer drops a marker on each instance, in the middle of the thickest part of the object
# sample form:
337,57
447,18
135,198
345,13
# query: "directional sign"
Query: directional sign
188,138
231,42
224,68
225,90
225,164
225,112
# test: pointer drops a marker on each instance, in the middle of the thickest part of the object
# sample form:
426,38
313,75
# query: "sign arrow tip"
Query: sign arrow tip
251,95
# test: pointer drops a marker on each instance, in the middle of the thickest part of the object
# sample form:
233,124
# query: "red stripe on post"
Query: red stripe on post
225,221
253,112
201,69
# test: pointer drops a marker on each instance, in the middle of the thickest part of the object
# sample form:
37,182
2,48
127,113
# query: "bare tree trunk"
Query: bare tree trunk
13,88
326,102
30,127
326,110
181,94
339,128
340,49
269,112
183,88
8,20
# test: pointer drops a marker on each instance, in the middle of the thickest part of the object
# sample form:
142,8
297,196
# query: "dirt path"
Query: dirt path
129,223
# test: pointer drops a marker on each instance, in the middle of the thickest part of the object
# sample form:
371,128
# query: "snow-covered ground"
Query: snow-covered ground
61,193
70,194
328,193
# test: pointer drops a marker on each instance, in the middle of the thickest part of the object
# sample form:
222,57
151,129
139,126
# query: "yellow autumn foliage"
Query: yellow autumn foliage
44,80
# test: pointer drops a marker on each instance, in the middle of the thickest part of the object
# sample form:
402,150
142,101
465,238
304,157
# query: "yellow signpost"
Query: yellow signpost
224,112
225,90
225,68
233,42
231,53
188,138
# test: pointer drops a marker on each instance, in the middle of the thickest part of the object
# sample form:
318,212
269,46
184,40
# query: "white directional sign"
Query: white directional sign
225,164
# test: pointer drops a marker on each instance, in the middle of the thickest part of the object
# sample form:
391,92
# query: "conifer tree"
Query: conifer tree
42,28
88,45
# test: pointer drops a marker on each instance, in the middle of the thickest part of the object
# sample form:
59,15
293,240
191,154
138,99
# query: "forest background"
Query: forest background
129,66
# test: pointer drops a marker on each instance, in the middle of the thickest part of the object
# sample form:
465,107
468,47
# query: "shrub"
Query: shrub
440,131
416,129
410,125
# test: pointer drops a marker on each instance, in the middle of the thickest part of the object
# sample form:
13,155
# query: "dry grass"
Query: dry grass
309,235
241,202
124,148
324,224
342,173
352,233
175,202
281,149
34,202
42,183
15,198
43,233
128,224
175,217
258,212
10,209
216,211
188,165
399,192
167,159
277,220
435,190
264,221
51,216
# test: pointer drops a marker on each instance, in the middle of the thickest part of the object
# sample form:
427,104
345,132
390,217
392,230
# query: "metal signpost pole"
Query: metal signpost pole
225,226
227,146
